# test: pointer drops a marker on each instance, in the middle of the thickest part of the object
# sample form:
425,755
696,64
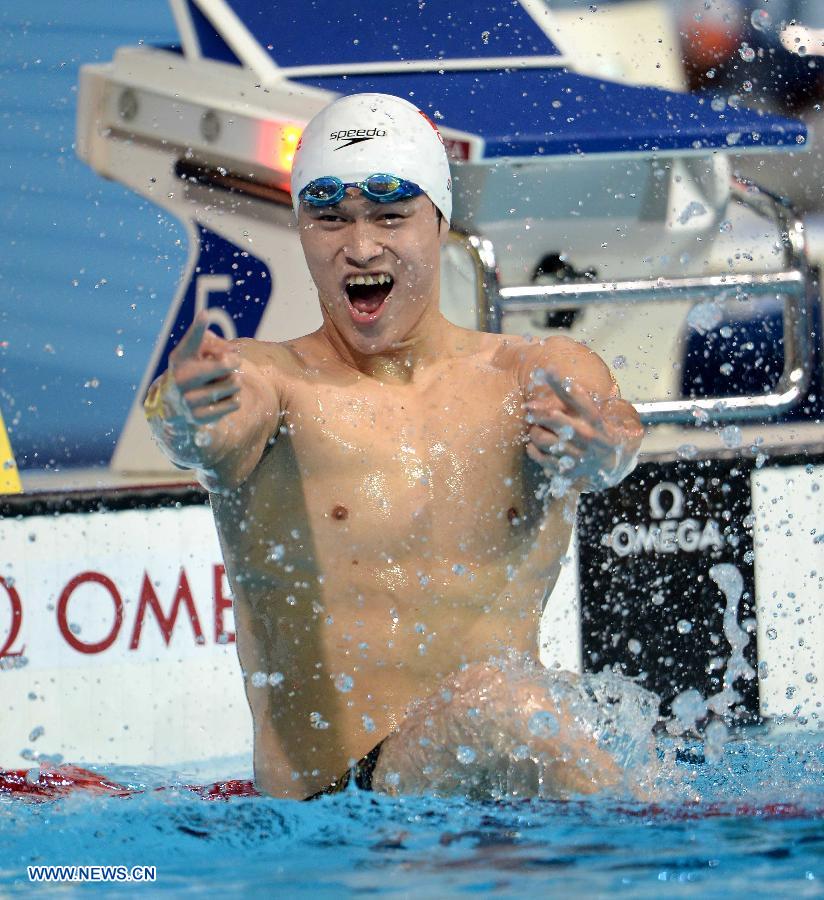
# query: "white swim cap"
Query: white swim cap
369,134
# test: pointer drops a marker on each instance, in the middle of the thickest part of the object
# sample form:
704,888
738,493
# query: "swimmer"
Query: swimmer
393,493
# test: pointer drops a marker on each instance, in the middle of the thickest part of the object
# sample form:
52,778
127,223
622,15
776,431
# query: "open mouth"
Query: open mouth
367,294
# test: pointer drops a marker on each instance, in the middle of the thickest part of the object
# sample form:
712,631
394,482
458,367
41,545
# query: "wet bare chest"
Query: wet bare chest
406,458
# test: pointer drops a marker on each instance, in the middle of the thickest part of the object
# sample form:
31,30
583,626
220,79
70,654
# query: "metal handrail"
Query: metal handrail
794,283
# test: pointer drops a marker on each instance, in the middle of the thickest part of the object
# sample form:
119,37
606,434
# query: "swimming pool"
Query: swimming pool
749,824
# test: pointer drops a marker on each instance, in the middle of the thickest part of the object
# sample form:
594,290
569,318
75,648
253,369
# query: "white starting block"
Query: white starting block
602,210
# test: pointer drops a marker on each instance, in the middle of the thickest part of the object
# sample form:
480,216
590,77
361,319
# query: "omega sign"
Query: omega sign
668,532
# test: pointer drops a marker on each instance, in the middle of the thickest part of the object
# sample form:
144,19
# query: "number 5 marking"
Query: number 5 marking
215,284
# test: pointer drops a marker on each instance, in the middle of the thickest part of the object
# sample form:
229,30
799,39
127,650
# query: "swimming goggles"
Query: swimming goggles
382,188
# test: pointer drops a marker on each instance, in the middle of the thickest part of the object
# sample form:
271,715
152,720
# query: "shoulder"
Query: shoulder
565,357
276,362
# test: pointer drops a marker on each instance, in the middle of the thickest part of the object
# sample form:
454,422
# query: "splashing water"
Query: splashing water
703,317
729,580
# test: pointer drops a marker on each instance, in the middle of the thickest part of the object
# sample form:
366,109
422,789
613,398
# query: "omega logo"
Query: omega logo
668,532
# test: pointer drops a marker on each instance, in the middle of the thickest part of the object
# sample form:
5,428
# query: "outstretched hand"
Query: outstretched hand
577,438
203,383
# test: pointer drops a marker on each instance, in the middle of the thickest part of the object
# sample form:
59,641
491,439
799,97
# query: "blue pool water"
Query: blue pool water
748,824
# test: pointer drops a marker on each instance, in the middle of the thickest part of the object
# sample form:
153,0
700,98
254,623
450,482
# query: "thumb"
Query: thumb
188,346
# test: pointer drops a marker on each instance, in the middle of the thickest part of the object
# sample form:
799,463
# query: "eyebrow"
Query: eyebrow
373,208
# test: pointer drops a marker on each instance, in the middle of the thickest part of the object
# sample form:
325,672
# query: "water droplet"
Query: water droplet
802,50
368,723
772,634
635,646
344,683
705,316
277,552
566,463
760,19
747,86
687,451
731,436
543,724
119,351
465,755
619,362
37,732
316,720
726,368
459,569
719,104
275,679
684,626
259,679
746,52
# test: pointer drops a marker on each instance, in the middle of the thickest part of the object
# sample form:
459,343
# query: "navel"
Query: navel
340,512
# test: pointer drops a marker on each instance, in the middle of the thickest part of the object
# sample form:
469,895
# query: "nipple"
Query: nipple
340,512
513,516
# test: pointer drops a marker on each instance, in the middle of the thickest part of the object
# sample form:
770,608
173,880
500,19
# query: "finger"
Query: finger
576,431
543,459
189,345
564,466
197,399
542,437
192,378
216,411
565,456
215,345
573,394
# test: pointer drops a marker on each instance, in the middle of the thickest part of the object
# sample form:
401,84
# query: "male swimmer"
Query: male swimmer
393,493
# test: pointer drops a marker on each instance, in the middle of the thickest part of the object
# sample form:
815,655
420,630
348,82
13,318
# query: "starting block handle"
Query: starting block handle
795,284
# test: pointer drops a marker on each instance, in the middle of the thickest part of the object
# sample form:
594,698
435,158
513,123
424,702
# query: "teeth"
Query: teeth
370,279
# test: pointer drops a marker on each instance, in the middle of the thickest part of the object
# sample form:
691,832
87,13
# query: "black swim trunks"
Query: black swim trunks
363,770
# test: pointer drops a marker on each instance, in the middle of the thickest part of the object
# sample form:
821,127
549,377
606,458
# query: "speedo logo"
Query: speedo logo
355,136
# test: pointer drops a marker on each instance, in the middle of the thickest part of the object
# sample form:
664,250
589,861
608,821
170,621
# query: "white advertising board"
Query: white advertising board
788,503
117,639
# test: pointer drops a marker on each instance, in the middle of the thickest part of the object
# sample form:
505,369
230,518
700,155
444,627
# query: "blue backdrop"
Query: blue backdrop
87,268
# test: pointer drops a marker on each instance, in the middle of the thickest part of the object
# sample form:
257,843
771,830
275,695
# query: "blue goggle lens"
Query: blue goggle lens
381,188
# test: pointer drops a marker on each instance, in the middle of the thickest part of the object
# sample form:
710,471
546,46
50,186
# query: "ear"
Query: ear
443,230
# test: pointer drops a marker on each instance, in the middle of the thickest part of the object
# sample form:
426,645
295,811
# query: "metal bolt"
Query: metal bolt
127,105
210,125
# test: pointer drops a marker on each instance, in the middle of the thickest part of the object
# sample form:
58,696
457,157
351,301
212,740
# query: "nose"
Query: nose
363,243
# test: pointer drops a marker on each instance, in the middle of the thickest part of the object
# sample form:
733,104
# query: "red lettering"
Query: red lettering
148,598
222,603
16,620
62,608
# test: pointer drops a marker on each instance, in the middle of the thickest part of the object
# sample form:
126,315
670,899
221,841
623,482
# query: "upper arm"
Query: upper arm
566,358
